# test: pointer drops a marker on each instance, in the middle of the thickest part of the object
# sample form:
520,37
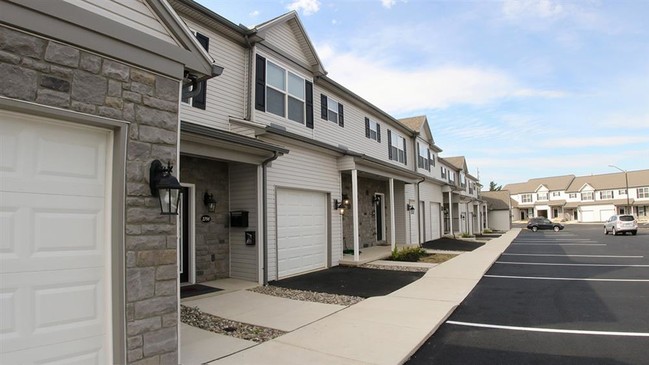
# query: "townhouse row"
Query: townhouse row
593,198
105,104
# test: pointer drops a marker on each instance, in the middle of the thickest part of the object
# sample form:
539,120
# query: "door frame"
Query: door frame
191,249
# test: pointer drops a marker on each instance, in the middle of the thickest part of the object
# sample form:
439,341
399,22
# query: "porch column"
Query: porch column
357,245
450,212
486,216
393,234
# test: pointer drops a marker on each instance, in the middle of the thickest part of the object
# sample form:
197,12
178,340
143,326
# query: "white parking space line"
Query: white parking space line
566,279
559,244
556,264
550,330
552,239
554,255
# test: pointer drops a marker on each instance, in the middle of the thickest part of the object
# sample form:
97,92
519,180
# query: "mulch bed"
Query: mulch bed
451,244
355,281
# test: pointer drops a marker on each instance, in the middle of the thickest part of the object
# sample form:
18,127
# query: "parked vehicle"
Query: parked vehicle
621,223
543,223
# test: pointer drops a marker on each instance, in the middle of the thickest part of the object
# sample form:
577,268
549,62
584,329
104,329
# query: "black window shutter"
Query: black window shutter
367,127
405,152
308,85
260,83
418,156
199,100
323,106
341,118
378,132
389,144
429,160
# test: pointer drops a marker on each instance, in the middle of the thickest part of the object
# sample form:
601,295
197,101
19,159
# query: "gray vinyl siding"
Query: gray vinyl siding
243,196
303,169
282,37
132,13
352,135
400,202
226,94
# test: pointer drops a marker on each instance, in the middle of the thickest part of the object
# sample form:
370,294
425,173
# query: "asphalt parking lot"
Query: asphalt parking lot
570,297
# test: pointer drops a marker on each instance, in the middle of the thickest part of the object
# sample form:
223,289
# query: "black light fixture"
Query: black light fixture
343,204
376,200
410,208
210,203
165,186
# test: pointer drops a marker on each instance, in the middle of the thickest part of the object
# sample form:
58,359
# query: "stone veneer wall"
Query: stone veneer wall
46,72
211,239
366,218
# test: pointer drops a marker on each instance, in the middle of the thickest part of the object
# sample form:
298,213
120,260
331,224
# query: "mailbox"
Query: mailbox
239,218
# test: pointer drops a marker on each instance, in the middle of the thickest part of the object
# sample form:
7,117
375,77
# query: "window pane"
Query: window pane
372,134
295,86
295,110
275,76
275,102
332,116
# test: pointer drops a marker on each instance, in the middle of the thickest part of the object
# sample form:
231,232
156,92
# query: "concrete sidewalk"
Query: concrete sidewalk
380,330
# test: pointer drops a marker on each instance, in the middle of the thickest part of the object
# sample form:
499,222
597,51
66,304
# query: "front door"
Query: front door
378,213
184,236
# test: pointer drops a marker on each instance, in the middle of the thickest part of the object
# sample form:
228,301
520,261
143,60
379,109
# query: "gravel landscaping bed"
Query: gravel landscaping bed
195,317
307,296
395,268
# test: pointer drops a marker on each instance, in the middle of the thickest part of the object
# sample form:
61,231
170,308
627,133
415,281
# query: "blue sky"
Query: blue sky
522,89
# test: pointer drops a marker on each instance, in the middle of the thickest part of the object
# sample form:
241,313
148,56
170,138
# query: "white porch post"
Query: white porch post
486,216
450,211
393,234
357,255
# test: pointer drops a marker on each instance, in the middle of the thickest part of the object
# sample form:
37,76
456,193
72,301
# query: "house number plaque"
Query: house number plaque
206,219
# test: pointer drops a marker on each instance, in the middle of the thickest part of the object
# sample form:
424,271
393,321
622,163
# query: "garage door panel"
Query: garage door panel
45,157
301,231
88,351
52,307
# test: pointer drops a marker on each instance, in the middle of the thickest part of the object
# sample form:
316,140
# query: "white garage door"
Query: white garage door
434,221
54,214
587,216
301,231
604,215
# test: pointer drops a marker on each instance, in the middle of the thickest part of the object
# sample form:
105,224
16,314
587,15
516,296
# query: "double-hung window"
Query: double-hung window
283,93
526,198
331,110
572,195
397,148
444,171
643,193
423,160
542,196
587,196
372,130
606,194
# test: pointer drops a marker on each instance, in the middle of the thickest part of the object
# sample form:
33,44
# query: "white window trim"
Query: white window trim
375,130
286,92
400,141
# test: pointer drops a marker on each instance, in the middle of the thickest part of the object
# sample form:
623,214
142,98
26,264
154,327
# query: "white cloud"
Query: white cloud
400,90
608,141
254,14
546,9
308,7
388,3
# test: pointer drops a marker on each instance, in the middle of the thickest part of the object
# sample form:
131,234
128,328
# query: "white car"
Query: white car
621,223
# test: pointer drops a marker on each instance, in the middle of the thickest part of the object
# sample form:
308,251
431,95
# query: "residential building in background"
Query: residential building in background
592,198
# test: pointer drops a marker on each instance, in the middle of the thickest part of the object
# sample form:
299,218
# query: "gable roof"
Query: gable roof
496,200
420,125
459,162
616,180
293,20
532,185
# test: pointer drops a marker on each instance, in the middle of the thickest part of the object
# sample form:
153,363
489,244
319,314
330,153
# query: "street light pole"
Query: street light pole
626,178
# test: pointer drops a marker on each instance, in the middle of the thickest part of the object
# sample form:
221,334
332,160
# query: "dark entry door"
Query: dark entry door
378,213
184,236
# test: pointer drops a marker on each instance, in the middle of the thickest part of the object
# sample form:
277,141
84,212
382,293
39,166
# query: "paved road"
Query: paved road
572,297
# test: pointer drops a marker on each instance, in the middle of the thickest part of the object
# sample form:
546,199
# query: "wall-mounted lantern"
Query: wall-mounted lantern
210,203
343,204
445,210
410,208
165,186
376,200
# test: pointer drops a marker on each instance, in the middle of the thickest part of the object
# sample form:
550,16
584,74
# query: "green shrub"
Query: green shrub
466,235
411,254
487,230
